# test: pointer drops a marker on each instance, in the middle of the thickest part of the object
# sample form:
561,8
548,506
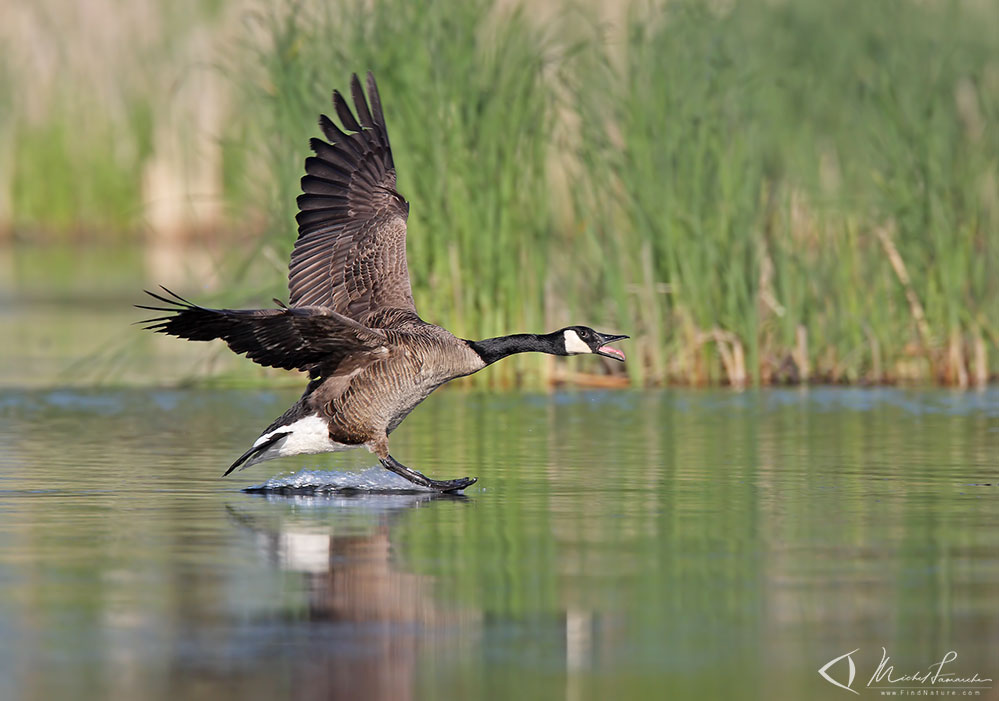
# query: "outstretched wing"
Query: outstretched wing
293,338
351,250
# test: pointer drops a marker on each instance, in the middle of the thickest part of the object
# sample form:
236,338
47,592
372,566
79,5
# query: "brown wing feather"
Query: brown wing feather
295,338
351,250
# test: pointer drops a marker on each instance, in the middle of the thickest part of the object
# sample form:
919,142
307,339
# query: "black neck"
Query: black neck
493,349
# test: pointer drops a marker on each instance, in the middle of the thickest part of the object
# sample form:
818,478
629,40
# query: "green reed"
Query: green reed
470,120
757,192
743,186
772,161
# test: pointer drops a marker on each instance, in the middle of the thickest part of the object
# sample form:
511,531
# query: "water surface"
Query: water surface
618,545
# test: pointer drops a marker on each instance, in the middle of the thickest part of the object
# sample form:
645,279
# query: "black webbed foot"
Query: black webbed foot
415,477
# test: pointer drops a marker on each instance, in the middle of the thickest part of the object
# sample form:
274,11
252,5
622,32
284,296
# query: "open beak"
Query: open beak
608,352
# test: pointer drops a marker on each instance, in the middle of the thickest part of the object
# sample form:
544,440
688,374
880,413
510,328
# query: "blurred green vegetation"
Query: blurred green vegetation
756,192
773,159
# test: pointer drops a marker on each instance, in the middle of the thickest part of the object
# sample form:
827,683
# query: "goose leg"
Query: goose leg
390,463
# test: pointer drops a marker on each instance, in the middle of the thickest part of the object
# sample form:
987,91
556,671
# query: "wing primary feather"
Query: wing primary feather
360,104
339,137
309,201
176,296
164,299
343,111
330,154
318,168
309,218
314,185
378,118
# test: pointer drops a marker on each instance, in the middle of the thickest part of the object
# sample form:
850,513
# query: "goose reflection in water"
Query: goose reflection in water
383,620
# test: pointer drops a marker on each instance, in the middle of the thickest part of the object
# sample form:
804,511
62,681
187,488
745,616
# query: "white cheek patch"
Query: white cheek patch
574,344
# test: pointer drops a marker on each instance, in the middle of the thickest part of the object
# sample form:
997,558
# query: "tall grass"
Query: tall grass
471,119
771,161
764,193
756,191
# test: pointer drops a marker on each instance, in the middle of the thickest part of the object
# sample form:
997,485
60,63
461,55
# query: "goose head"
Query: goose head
583,339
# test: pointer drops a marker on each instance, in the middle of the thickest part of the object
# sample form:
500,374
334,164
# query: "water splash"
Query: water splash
373,479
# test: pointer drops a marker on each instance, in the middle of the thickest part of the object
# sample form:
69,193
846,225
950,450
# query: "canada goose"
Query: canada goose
351,322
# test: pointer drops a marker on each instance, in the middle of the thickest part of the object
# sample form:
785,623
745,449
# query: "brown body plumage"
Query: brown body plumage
351,323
